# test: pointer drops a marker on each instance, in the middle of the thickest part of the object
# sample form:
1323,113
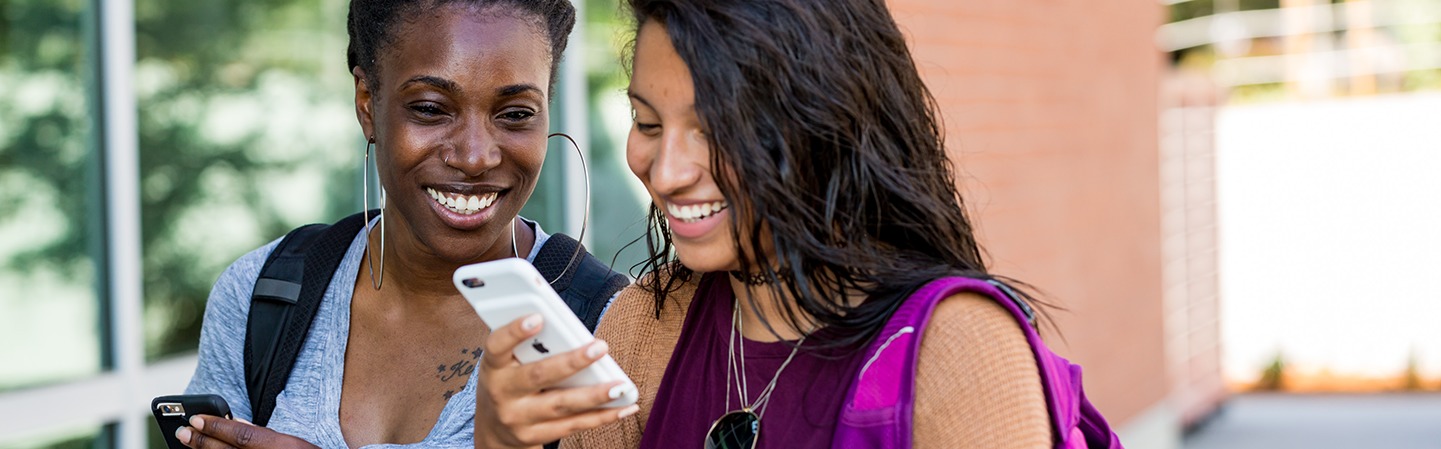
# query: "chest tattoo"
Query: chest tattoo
460,369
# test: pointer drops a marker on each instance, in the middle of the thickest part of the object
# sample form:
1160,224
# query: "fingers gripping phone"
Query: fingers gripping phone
505,290
171,412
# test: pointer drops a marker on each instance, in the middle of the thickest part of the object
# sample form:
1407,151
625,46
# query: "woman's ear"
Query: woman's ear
363,103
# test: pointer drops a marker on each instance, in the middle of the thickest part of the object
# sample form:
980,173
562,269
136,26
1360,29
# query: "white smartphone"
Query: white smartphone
505,290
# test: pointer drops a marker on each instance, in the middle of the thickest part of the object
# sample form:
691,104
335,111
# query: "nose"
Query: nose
473,150
681,161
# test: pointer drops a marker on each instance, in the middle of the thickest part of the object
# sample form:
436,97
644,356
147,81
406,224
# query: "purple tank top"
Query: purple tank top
802,411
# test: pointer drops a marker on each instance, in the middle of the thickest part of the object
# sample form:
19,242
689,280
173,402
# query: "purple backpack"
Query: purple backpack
878,407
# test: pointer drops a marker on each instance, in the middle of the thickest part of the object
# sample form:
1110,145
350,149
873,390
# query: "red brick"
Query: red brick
1050,109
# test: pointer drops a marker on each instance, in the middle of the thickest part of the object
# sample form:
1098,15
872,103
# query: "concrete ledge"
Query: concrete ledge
1156,428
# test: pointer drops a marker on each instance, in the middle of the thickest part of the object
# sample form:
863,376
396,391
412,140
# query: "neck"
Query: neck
416,273
767,309
768,305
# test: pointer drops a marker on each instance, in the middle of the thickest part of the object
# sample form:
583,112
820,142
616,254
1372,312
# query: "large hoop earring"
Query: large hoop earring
365,165
585,219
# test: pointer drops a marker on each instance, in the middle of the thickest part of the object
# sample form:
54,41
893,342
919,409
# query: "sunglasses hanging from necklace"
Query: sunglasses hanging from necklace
740,429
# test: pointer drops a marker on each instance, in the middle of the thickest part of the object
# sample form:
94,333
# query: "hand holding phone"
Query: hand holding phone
172,412
517,405
505,290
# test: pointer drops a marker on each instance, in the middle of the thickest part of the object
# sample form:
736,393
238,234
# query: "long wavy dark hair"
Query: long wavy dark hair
371,26
829,146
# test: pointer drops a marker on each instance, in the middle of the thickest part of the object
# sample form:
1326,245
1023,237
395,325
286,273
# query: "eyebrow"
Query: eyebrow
440,83
637,97
517,89
453,87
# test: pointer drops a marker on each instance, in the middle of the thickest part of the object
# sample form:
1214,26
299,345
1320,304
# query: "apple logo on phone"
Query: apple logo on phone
539,347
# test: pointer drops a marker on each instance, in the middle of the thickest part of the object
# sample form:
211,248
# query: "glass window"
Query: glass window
618,201
50,195
98,437
247,129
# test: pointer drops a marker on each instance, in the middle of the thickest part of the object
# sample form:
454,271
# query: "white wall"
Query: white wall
1330,234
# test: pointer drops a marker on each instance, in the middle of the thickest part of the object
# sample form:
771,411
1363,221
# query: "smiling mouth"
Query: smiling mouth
461,203
695,212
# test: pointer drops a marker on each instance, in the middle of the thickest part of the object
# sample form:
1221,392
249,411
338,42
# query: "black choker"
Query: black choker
751,279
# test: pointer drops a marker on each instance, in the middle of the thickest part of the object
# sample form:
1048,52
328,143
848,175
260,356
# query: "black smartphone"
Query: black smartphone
171,412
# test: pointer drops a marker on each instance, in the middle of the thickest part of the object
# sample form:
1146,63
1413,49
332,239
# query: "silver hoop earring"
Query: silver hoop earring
585,219
365,165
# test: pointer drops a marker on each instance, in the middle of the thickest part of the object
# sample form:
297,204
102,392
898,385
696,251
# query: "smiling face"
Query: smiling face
669,152
458,115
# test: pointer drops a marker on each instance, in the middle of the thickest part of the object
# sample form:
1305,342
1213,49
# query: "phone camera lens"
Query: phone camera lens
473,282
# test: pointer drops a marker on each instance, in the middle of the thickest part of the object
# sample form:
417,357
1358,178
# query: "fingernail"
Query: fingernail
183,434
197,423
628,411
530,322
596,349
616,391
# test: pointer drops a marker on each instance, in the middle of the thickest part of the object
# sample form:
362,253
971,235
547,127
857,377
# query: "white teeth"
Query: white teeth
463,204
696,212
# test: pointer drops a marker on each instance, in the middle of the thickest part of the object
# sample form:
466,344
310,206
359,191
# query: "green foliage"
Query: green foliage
213,78
237,101
1273,378
44,142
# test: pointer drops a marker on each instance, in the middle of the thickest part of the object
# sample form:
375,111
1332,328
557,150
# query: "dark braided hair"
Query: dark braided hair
372,23
828,144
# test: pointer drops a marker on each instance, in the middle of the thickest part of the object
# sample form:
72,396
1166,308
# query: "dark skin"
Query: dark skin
459,106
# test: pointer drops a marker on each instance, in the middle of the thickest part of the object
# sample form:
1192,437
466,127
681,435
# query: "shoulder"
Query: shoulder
635,305
235,284
977,381
221,365
973,335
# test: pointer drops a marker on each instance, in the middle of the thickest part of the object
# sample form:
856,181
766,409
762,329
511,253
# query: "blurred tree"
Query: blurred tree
244,125
44,145
240,104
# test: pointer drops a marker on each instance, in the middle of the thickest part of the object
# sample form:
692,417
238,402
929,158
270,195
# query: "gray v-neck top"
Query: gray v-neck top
309,407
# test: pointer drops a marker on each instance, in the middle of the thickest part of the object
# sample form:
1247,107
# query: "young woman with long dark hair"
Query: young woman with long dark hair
800,193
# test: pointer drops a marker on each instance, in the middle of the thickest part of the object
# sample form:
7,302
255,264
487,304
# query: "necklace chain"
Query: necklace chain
739,365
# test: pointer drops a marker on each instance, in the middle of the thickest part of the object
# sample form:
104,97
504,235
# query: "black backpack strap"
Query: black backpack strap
287,294
1016,298
277,289
586,285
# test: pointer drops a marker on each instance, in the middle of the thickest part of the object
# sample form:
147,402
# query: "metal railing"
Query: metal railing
1367,49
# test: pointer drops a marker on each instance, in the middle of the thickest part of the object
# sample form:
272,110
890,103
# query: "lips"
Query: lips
696,219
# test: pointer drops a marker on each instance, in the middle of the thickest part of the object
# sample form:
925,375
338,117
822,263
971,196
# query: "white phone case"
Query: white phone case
505,290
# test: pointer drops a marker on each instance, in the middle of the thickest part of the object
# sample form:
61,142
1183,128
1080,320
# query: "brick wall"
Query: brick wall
1051,113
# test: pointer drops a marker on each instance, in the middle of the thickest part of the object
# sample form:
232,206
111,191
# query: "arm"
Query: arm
221,369
977,384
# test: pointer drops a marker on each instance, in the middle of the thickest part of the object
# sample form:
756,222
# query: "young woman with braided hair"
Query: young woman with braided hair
453,97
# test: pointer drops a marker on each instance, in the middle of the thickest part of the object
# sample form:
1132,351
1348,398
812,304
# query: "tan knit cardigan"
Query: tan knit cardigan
977,384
